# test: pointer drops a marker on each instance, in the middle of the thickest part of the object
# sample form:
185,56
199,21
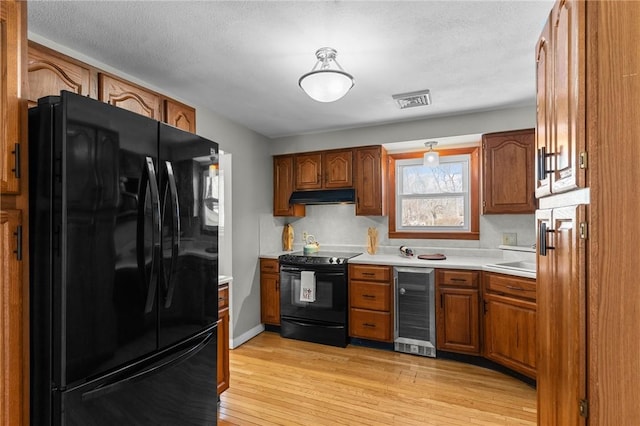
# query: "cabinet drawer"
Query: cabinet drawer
368,295
458,278
508,284
370,324
369,272
223,297
269,265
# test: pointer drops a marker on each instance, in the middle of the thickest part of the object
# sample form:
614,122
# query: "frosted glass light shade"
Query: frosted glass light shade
326,85
431,159
327,81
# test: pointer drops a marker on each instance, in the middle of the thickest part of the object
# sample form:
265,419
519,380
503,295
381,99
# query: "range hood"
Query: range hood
325,196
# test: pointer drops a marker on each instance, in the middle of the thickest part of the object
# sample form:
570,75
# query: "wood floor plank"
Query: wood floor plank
277,381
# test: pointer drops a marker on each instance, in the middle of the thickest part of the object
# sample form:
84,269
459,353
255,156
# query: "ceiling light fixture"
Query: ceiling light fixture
431,157
326,82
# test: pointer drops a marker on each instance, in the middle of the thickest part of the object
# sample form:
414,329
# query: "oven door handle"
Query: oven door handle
318,273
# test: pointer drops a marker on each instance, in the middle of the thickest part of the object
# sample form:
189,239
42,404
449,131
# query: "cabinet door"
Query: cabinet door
568,90
11,318
370,174
308,171
49,73
180,115
128,96
283,187
223,350
544,121
270,298
458,323
510,333
338,169
561,291
12,39
507,172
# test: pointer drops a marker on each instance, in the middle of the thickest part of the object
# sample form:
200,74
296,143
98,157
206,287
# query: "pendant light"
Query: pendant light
431,157
327,81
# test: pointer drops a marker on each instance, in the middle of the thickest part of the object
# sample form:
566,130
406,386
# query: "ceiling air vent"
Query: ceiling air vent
413,99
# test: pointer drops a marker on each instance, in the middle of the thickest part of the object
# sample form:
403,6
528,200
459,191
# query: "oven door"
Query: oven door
330,305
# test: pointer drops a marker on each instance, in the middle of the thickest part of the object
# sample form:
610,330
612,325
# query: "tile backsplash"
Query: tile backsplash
337,225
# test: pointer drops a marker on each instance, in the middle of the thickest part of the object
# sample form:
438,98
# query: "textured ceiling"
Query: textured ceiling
242,59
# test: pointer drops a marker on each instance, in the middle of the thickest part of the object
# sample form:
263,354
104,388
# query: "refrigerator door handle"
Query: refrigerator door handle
107,388
149,178
175,235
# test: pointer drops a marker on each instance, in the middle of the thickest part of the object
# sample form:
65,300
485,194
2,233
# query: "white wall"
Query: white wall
251,197
438,127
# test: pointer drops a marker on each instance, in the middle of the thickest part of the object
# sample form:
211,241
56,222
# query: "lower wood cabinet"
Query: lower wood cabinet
371,302
510,322
223,338
270,291
458,311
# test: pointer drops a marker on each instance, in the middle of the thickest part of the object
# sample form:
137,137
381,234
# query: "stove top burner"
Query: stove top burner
320,258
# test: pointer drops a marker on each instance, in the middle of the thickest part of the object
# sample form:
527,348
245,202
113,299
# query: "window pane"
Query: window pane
418,179
433,212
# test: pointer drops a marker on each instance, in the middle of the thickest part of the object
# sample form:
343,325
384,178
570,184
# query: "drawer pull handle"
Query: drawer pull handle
366,324
369,296
369,274
459,280
511,287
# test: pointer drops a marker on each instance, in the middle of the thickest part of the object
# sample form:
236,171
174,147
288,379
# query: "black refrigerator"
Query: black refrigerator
124,268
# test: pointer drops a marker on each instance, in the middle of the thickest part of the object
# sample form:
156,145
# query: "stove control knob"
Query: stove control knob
334,260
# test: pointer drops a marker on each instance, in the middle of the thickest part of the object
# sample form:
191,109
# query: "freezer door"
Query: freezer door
108,213
178,388
188,289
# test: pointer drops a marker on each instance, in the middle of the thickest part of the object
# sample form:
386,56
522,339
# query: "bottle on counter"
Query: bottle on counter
287,237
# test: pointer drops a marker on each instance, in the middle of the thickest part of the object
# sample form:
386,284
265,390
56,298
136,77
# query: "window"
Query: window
434,202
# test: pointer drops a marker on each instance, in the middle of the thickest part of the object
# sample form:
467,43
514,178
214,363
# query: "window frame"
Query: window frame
474,197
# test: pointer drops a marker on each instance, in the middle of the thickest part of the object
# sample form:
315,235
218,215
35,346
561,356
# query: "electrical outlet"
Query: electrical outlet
304,236
509,238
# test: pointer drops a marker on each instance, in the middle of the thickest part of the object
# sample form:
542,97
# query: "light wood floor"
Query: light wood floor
277,381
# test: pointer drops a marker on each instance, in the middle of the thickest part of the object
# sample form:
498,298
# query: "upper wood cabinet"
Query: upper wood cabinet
128,96
507,172
544,108
50,72
330,169
308,171
458,311
561,56
283,175
370,168
180,115
12,28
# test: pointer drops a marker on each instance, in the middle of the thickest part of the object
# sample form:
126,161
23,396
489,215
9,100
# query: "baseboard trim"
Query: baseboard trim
246,336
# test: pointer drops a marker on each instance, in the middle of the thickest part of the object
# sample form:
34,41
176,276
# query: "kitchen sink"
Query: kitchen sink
517,265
